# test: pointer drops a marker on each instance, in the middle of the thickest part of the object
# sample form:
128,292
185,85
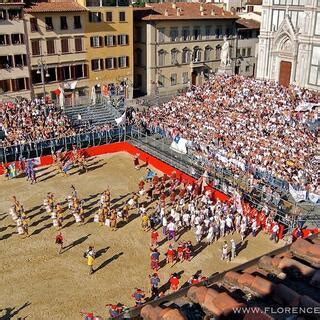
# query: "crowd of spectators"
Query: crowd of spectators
31,121
245,125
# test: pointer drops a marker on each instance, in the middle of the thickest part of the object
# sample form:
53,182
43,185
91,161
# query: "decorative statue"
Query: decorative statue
225,53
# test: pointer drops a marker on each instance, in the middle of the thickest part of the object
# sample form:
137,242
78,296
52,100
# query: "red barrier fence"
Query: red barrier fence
163,167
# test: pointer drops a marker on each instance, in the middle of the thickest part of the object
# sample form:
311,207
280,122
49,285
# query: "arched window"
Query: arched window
174,56
207,51
186,55
196,56
161,57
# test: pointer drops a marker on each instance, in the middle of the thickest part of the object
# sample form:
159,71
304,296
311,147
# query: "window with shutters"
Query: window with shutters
96,64
122,16
49,23
249,52
78,71
173,79
78,44
35,77
34,25
52,74
96,42
20,60
5,85
94,16
109,16
4,40
207,52
17,38
161,80
65,72
110,63
63,23
65,45
110,41
77,22
123,62
174,56
50,46
123,39
243,52
161,57
35,47
185,77
19,84
186,55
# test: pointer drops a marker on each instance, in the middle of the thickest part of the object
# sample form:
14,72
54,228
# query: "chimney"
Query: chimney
174,6
166,12
201,7
213,13
222,13
202,13
179,12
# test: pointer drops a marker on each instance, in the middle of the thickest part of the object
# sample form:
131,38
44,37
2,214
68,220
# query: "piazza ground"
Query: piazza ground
38,283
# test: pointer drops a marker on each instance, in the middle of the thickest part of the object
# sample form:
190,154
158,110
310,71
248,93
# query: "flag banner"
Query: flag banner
179,145
297,195
121,120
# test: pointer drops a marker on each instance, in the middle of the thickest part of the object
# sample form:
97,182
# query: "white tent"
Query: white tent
93,95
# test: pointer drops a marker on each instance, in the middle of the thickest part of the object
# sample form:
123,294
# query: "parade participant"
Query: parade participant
145,222
170,255
180,250
174,282
113,220
114,310
125,212
233,249
136,161
154,238
101,214
154,259
172,230
59,242
90,254
194,279
138,297
224,250
187,251
154,283
274,235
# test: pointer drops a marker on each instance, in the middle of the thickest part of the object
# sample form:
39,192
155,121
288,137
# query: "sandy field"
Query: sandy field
38,283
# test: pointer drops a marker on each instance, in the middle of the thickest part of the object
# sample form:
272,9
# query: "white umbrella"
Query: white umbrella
61,97
93,95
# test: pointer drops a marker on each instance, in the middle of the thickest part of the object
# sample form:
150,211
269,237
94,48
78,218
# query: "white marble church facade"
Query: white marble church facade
289,43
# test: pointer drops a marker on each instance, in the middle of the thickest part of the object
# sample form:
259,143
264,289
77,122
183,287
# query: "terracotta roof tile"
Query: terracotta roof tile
188,11
248,23
55,7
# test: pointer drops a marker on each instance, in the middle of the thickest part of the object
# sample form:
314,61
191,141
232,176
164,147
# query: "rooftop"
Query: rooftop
44,7
248,23
286,277
182,11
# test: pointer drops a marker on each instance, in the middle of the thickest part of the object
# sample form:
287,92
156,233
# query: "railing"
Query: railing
46,147
286,212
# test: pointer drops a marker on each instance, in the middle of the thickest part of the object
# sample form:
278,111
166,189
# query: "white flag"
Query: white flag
121,120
